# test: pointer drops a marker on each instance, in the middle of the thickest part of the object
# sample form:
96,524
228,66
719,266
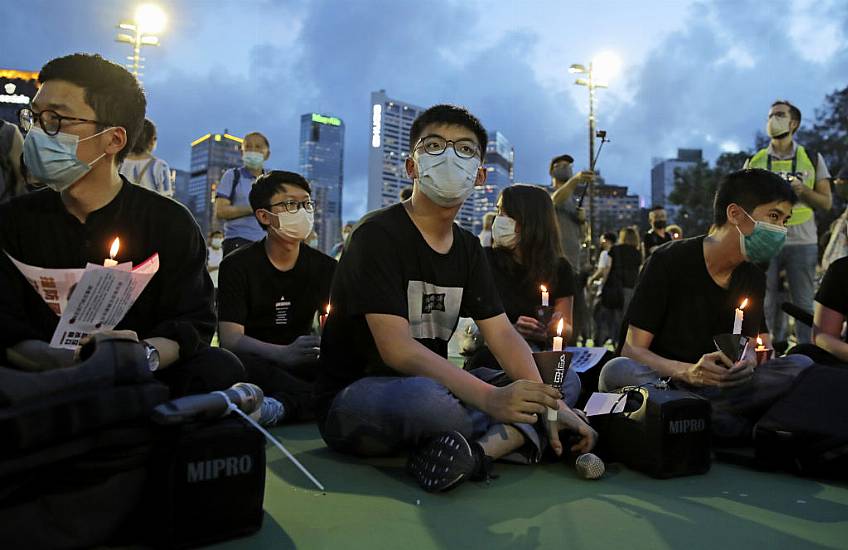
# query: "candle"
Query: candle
740,316
110,261
558,337
763,352
545,295
323,318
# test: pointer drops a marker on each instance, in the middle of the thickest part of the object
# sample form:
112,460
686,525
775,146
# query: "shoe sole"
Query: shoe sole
442,463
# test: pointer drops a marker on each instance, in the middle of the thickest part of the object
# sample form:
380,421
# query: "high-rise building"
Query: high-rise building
615,208
17,88
180,181
498,162
391,121
662,177
211,156
322,164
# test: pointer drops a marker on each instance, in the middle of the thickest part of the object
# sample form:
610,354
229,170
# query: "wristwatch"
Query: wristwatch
152,355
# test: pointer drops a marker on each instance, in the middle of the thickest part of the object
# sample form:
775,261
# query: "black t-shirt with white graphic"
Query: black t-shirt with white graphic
521,296
274,306
833,292
389,268
678,301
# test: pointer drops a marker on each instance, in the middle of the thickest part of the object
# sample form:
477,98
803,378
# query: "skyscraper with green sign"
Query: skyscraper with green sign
322,164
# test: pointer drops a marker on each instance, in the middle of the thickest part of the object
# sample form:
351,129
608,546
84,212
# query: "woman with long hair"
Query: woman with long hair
526,254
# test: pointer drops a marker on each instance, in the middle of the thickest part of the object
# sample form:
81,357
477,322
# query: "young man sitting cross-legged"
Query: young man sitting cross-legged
406,276
268,295
688,293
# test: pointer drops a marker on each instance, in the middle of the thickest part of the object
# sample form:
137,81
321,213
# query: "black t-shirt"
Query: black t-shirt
626,261
678,301
833,292
519,295
389,268
652,239
273,306
36,229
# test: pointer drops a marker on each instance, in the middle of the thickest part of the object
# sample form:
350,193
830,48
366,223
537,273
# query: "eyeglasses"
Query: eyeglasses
50,121
436,145
293,206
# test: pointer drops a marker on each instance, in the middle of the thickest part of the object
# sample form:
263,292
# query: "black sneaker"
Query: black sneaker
447,460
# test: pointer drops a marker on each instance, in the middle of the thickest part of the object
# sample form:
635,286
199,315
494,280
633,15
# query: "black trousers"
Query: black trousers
292,386
207,370
817,354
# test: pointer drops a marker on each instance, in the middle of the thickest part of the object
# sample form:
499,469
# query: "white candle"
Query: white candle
545,296
110,261
739,317
558,337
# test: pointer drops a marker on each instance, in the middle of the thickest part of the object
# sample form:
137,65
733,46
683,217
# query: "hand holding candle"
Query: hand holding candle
560,372
739,317
323,318
110,261
545,295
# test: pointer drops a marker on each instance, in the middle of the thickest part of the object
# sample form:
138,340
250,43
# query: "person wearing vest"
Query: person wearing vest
232,205
810,179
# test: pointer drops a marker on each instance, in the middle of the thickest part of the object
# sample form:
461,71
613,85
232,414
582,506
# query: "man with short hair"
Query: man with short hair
271,290
80,125
657,235
407,275
810,179
688,293
572,222
232,204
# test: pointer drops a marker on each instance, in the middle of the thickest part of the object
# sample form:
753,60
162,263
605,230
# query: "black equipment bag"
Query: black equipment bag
806,431
207,483
76,445
663,433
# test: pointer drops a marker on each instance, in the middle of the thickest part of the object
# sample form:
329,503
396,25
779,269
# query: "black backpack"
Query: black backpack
806,431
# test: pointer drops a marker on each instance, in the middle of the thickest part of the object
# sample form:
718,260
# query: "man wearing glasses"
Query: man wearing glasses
404,280
81,124
269,293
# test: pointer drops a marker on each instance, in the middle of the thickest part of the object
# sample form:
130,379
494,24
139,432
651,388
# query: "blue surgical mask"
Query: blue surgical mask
446,179
253,159
53,161
764,243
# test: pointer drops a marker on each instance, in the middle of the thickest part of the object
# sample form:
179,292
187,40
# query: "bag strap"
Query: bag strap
236,179
144,171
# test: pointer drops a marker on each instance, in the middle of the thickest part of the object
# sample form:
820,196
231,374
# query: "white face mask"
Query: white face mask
295,227
777,126
253,159
217,242
446,179
503,232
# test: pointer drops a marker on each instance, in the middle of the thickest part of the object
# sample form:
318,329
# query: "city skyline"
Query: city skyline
694,74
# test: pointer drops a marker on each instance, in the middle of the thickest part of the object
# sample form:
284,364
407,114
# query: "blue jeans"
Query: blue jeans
382,415
799,262
734,410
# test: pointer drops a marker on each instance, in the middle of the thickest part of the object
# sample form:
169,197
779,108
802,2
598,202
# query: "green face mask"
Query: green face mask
764,243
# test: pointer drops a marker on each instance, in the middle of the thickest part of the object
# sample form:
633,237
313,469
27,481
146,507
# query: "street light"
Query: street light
148,21
603,67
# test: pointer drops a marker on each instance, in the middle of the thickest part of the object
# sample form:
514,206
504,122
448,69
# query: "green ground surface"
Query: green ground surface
373,504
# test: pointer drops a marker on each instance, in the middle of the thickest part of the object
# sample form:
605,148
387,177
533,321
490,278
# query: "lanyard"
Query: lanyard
794,162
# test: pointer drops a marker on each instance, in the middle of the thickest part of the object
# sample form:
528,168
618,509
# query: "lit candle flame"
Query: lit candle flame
559,327
759,342
744,303
328,309
544,288
116,244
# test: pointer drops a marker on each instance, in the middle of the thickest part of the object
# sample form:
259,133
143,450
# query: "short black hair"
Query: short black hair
749,189
451,115
794,112
610,236
405,193
145,138
270,183
561,158
258,134
110,90
656,207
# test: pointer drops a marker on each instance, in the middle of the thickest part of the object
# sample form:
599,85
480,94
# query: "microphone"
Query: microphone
247,397
589,466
